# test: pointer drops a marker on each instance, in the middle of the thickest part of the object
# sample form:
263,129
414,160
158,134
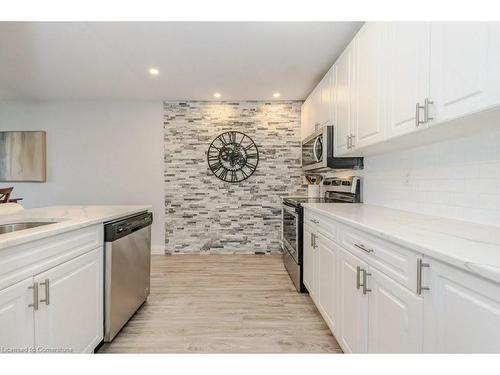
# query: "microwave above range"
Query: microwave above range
317,153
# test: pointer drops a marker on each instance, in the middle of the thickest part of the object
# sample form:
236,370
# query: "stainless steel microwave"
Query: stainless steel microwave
318,156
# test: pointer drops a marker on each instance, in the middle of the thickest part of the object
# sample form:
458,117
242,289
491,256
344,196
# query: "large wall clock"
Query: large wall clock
233,156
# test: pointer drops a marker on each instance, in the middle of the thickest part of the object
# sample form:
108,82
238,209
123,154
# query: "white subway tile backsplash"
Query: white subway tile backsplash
458,179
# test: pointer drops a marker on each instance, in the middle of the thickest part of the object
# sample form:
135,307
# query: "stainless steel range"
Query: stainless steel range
335,190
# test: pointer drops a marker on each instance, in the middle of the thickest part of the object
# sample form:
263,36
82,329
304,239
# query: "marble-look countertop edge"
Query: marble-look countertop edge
77,217
474,263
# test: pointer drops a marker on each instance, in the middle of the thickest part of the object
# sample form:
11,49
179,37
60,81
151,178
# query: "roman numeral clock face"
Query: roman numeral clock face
233,156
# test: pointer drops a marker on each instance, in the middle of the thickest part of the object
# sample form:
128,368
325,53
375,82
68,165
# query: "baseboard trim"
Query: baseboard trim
158,249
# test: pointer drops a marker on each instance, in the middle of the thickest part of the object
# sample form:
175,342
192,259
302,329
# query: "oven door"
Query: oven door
291,231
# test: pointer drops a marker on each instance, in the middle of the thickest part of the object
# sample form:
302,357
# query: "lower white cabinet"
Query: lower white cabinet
16,316
352,333
320,273
70,311
308,260
461,311
51,299
395,316
430,307
326,265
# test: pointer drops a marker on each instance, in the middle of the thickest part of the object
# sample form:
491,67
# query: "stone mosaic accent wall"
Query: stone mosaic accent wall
206,215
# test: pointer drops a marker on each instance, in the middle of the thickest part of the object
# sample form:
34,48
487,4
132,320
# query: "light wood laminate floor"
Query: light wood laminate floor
223,304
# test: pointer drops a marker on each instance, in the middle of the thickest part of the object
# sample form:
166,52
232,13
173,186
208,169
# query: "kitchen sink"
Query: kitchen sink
14,227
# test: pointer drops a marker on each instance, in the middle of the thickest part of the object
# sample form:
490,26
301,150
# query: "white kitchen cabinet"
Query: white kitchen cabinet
306,125
352,332
344,100
395,316
461,311
70,313
407,78
327,254
464,61
369,120
324,112
16,316
317,109
308,260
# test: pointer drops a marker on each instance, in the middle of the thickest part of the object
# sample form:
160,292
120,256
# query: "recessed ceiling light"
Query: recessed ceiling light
154,71
217,95
276,95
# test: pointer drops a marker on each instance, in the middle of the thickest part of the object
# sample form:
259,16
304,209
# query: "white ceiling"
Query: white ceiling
242,61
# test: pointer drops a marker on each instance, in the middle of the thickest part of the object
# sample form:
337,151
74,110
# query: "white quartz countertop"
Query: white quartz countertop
65,218
473,247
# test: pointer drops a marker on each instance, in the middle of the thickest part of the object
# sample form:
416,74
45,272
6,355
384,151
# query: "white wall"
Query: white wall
97,153
459,179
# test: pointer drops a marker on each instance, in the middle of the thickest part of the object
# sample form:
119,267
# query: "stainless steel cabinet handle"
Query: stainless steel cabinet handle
358,271
365,289
46,283
352,143
315,243
312,239
427,102
418,107
348,142
35,296
315,221
420,265
364,248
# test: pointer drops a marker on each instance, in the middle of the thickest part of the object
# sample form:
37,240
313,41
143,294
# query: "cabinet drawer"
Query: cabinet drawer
396,262
19,262
318,222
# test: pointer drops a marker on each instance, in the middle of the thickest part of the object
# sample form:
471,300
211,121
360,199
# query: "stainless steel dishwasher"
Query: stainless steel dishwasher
127,269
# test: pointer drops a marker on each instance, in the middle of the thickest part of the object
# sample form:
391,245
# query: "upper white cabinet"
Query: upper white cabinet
359,97
370,115
306,121
344,100
464,60
462,311
318,106
325,88
407,78
395,79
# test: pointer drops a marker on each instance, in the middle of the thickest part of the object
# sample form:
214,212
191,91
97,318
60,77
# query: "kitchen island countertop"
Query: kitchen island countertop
65,218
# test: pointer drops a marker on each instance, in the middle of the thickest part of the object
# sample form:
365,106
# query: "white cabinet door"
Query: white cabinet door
308,260
72,318
407,80
327,279
305,119
316,108
461,312
324,117
465,57
396,316
352,332
16,316
344,99
370,113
